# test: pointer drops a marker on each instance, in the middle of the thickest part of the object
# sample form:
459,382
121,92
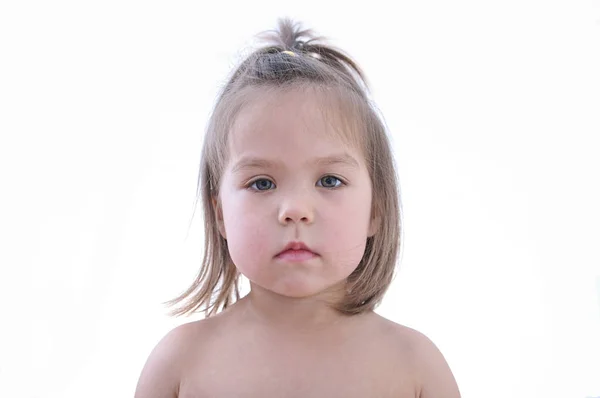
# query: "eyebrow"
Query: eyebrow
249,162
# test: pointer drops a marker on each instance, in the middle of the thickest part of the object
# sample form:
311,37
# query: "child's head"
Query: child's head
295,152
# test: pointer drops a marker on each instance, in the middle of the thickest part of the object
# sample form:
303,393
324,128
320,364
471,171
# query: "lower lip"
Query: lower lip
296,255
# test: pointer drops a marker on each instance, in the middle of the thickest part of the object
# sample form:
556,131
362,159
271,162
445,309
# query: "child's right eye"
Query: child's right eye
262,184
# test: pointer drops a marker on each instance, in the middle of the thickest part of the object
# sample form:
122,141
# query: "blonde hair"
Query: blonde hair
287,62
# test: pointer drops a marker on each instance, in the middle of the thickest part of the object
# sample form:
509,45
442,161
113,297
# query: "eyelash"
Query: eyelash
253,182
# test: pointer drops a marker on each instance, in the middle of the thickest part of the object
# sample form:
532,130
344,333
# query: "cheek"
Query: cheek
349,215
247,231
345,227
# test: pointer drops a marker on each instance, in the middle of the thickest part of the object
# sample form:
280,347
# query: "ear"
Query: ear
216,204
374,226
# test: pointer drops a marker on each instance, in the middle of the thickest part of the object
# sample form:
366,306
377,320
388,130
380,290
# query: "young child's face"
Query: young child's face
275,191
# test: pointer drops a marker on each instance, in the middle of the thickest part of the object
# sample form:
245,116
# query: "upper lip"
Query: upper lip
296,246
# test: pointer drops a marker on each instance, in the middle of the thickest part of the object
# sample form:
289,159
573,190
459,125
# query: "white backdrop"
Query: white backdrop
494,111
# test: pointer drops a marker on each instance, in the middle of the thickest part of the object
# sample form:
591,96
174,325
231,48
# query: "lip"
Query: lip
296,256
295,245
296,252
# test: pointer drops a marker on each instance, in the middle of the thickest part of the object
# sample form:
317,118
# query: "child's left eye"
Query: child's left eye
329,182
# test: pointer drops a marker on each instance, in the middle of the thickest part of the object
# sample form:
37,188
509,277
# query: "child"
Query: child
300,196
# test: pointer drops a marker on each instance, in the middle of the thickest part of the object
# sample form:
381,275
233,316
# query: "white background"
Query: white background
494,111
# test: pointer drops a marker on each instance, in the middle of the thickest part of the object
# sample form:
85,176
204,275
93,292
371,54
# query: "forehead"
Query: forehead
293,122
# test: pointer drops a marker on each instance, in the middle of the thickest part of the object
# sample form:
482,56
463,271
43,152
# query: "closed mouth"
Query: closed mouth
296,248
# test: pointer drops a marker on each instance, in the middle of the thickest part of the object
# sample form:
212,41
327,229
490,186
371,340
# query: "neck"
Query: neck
289,314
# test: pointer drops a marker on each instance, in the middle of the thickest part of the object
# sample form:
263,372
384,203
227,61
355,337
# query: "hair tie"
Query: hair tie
293,54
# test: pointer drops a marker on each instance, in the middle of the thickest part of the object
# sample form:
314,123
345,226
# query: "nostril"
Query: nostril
290,219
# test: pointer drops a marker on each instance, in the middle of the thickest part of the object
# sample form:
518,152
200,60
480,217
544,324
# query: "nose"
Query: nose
296,210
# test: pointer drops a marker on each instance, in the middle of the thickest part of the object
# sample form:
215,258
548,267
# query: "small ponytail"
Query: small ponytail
290,37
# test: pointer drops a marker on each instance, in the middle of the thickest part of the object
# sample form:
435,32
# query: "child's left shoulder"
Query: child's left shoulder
431,371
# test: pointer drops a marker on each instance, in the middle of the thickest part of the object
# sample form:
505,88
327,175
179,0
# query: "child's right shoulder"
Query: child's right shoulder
164,367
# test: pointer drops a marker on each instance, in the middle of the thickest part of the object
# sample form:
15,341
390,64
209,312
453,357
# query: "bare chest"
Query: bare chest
303,371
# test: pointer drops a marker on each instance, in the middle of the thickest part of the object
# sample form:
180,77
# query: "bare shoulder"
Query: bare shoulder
433,374
162,372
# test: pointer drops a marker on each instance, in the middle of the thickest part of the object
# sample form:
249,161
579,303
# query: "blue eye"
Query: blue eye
330,182
262,184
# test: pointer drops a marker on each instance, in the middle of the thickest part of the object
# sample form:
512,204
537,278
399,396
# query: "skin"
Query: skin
290,177
283,338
